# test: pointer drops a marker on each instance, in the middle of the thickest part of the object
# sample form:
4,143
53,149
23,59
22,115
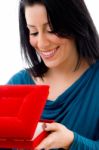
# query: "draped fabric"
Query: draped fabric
77,107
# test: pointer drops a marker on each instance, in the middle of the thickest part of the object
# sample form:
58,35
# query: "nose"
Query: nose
43,42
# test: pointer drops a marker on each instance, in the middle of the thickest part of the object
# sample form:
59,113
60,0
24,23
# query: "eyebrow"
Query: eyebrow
29,25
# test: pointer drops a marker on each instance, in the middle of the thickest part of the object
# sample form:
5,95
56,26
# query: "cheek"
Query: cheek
58,40
32,41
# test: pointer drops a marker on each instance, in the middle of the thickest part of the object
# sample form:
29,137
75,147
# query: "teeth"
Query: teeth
48,53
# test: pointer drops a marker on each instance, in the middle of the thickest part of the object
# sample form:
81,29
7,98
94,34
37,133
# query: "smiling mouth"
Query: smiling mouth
48,54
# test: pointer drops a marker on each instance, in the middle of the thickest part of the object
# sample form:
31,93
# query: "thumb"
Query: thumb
51,126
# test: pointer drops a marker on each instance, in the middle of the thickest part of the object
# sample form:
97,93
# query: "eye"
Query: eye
34,34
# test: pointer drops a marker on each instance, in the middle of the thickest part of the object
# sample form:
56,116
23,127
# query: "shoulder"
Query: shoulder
95,68
93,83
21,77
92,76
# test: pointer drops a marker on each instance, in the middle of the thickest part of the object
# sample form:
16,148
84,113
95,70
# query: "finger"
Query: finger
44,126
51,126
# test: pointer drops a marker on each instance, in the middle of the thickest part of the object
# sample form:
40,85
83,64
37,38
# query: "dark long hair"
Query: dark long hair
68,19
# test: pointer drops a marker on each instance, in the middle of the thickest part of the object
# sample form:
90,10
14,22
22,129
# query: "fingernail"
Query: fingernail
44,125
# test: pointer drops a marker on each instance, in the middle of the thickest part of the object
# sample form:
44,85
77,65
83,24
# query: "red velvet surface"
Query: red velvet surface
20,110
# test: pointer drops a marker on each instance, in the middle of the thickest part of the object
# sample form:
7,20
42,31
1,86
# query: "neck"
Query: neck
67,70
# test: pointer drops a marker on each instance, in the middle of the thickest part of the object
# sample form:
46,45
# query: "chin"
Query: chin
51,65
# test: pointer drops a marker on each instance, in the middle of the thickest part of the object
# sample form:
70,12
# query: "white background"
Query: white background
10,58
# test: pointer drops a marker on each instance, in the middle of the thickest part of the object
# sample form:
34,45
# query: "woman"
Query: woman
61,45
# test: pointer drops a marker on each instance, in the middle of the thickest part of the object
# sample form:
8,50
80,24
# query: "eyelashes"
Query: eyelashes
36,33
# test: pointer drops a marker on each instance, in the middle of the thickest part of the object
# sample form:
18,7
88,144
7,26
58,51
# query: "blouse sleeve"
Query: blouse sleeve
22,77
82,143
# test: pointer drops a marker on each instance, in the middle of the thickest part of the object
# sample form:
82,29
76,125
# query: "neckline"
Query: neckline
85,74
49,101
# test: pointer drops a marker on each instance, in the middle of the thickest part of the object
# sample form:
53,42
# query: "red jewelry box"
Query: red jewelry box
20,109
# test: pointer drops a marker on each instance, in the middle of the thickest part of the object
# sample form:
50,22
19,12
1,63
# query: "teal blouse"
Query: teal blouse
77,108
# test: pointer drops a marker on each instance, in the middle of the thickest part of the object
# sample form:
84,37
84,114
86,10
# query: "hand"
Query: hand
59,137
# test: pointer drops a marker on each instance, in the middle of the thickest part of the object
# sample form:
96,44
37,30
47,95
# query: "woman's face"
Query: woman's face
54,50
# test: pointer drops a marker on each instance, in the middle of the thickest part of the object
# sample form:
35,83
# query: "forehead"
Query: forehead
36,14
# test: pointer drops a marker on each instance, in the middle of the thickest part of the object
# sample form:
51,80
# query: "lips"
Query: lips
48,54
